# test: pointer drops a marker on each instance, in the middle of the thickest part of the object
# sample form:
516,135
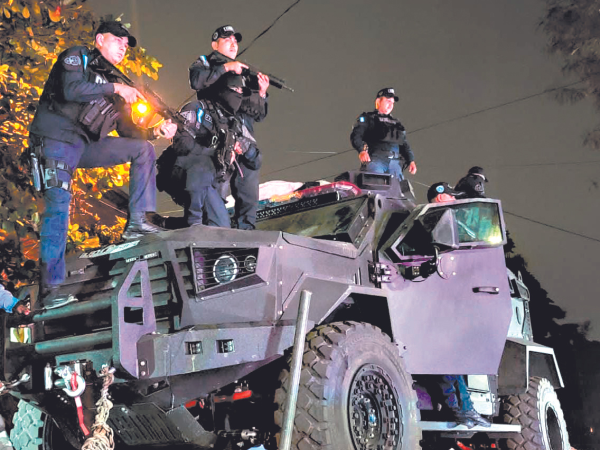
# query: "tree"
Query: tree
572,27
32,35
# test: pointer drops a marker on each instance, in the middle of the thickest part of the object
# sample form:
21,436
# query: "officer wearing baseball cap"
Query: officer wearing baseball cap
380,139
208,76
472,184
81,103
443,192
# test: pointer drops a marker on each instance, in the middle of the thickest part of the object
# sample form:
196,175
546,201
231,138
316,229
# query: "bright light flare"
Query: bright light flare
141,108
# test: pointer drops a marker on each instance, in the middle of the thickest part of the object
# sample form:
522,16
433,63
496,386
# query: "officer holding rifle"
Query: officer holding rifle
208,76
81,103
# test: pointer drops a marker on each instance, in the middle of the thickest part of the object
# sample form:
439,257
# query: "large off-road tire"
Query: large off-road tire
35,430
540,415
354,392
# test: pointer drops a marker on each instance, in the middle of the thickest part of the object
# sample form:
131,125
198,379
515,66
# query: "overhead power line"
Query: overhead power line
268,28
553,227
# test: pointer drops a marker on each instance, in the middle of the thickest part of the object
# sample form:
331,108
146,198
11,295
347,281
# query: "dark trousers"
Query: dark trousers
245,192
455,392
205,204
106,152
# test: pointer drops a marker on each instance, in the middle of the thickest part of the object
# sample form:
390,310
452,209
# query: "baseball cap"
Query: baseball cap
442,188
226,31
387,92
476,170
117,29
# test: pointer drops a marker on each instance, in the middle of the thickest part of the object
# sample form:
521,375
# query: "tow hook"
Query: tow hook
70,381
74,385
6,387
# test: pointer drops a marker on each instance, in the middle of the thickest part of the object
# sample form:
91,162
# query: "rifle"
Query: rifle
254,71
153,99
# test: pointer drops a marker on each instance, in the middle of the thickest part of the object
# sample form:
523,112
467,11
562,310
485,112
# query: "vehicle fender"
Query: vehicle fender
523,359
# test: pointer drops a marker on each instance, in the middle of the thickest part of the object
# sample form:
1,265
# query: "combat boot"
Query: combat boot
52,299
470,418
138,226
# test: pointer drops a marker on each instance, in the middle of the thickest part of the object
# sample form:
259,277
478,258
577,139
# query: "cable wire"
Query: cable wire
268,28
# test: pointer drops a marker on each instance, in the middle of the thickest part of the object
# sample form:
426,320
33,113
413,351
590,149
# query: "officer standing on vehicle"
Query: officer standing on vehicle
472,184
204,161
380,139
81,103
207,75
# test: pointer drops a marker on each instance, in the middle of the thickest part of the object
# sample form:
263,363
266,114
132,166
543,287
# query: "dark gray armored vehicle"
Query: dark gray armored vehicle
197,326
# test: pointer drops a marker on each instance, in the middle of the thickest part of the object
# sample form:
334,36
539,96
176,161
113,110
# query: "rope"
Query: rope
102,437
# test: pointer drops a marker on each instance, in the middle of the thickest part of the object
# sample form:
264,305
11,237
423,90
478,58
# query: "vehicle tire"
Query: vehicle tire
353,381
540,415
35,430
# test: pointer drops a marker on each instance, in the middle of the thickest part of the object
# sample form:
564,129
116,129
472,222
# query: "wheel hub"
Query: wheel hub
374,411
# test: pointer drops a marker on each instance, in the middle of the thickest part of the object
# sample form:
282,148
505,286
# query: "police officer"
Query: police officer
80,104
207,74
454,387
380,139
206,159
472,184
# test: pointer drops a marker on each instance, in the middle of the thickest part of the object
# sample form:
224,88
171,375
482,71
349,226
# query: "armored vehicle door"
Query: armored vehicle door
450,302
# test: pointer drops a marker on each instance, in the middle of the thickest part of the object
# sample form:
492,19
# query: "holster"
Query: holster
35,158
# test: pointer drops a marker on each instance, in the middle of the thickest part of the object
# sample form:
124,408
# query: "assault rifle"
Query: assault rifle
254,71
153,99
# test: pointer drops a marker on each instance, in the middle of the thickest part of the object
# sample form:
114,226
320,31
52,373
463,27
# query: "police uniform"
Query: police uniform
77,84
195,166
206,76
386,142
473,184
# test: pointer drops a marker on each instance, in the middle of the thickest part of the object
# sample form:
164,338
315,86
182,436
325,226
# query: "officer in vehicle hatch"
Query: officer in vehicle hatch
207,74
380,139
81,103
472,184
454,387
205,161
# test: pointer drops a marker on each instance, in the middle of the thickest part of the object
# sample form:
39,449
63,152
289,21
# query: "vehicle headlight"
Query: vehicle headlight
225,269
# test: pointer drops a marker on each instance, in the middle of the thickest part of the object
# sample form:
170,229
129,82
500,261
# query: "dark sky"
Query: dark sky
446,60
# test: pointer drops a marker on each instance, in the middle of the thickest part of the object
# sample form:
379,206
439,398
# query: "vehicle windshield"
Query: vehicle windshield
324,211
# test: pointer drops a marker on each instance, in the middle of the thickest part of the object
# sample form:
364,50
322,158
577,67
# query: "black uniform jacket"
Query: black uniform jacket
72,83
382,133
205,73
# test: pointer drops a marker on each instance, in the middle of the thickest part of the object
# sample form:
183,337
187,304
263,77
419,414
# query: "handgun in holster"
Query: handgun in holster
44,171
35,157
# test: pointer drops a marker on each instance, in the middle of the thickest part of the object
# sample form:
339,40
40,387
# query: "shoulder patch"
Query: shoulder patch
73,60
188,116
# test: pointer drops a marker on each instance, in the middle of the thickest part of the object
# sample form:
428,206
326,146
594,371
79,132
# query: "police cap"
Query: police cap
226,31
387,92
442,188
117,29
476,170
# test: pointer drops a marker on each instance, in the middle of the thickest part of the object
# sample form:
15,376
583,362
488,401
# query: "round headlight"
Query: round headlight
250,263
225,269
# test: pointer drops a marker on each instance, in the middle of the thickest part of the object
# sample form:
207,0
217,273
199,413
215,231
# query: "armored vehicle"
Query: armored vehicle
197,326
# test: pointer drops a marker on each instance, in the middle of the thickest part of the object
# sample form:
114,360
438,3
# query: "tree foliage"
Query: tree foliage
32,35
572,27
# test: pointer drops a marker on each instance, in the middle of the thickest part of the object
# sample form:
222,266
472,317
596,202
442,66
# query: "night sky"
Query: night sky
468,73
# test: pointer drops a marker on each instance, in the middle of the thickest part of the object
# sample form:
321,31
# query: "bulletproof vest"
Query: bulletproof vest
387,129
